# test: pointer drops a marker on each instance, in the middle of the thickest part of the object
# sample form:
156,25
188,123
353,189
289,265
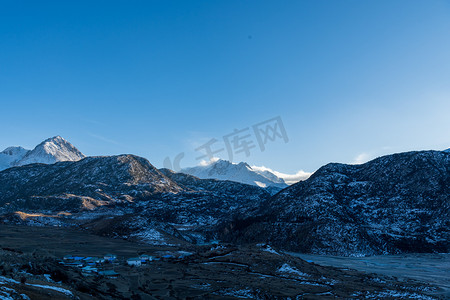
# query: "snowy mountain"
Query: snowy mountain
11,155
393,204
238,172
50,151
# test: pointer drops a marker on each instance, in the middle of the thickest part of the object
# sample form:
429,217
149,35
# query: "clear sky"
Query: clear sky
350,80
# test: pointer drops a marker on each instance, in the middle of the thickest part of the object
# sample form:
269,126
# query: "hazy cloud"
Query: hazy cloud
288,178
205,163
362,158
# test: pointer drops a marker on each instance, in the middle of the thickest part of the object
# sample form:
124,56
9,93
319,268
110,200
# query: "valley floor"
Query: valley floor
32,267
430,268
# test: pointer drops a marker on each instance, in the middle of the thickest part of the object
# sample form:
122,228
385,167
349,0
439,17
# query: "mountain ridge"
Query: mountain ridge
51,150
81,185
238,172
128,193
393,204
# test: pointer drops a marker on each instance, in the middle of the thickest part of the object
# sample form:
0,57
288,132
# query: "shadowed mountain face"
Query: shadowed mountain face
191,215
393,204
214,185
64,185
124,196
396,203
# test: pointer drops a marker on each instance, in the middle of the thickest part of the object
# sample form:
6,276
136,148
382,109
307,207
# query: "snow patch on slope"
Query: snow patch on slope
286,268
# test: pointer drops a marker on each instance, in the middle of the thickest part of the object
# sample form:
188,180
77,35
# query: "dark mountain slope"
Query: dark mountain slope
111,179
217,186
393,204
124,196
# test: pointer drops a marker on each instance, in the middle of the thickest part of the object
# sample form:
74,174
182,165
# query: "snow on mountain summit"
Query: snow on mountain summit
11,155
238,172
50,151
15,151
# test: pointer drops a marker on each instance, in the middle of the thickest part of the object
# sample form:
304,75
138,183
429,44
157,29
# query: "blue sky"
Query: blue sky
351,80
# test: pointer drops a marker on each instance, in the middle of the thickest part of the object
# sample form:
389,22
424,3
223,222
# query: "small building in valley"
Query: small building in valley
146,258
110,257
135,261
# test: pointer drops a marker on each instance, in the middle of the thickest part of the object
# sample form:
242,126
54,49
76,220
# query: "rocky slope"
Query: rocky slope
217,186
50,151
393,204
241,172
191,215
75,185
126,196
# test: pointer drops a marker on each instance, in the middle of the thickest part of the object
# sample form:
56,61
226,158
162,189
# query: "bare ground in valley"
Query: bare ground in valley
425,267
69,241
211,272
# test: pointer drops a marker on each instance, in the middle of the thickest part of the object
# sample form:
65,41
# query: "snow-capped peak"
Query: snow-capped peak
239,172
11,155
50,151
15,151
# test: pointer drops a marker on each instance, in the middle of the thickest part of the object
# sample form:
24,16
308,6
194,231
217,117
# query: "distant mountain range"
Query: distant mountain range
393,204
238,172
50,151
57,149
